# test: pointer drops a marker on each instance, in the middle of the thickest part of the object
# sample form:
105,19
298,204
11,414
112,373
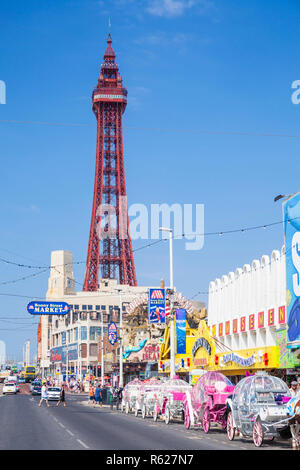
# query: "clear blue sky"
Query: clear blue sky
212,65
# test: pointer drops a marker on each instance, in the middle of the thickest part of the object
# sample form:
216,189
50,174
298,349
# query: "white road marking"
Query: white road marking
82,443
70,432
61,425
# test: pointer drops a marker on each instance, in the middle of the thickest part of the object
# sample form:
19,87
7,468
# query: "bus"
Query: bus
29,373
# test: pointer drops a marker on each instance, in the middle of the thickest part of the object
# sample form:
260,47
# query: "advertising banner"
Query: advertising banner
157,306
291,213
181,331
112,333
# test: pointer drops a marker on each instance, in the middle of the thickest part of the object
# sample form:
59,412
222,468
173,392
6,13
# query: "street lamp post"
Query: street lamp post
172,332
121,378
102,351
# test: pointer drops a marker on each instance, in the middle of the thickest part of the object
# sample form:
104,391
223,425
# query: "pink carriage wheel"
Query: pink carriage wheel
230,427
257,433
187,419
206,420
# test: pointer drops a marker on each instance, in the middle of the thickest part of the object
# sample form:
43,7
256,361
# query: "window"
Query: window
76,334
103,307
90,307
97,307
95,332
76,307
83,333
83,307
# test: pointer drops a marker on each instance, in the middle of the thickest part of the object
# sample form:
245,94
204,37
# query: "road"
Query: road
79,426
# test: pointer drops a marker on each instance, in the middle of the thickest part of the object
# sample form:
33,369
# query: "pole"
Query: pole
121,379
171,258
102,351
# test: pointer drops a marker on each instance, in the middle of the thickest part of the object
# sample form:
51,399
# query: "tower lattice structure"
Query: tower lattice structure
110,247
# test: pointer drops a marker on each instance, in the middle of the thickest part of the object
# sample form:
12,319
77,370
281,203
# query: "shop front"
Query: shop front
206,353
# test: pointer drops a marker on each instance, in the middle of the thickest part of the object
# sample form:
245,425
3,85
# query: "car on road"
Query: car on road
21,380
53,393
36,390
9,387
35,383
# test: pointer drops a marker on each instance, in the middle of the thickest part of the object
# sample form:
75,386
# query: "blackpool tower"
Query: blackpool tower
110,247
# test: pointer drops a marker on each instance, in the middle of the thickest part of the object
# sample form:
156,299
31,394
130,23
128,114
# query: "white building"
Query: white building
79,330
246,307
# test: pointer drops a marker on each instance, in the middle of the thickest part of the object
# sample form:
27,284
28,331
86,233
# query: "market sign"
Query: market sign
48,308
112,333
291,212
157,306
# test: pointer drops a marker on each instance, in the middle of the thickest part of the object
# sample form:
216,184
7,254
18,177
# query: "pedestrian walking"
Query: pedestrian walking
119,397
44,395
91,394
62,397
98,395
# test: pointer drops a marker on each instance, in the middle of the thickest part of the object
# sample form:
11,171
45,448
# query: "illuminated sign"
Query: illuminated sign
243,324
251,322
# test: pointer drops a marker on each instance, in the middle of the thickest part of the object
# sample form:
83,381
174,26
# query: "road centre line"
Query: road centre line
82,443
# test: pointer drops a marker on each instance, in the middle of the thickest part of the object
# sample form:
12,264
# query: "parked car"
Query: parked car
9,387
36,390
53,393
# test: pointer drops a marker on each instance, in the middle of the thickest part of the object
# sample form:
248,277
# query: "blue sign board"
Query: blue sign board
181,331
291,211
112,333
157,306
48,308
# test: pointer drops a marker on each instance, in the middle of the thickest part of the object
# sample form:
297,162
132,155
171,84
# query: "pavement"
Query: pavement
82,426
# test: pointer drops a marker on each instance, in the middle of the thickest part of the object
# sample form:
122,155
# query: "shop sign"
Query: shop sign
157,306
151,352
281,315
251,322
242,361
234,326
243,324
220,329
201,362
227,328
201,343
260,322
271,317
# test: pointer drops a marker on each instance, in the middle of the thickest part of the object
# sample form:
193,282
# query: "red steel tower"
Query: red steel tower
109,242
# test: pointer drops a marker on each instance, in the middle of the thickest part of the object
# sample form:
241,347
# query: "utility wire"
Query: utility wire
157,129
219,232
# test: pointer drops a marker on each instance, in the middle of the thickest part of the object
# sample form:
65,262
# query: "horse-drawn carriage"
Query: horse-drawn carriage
258,408
170,400
147,397
130,394
207,402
